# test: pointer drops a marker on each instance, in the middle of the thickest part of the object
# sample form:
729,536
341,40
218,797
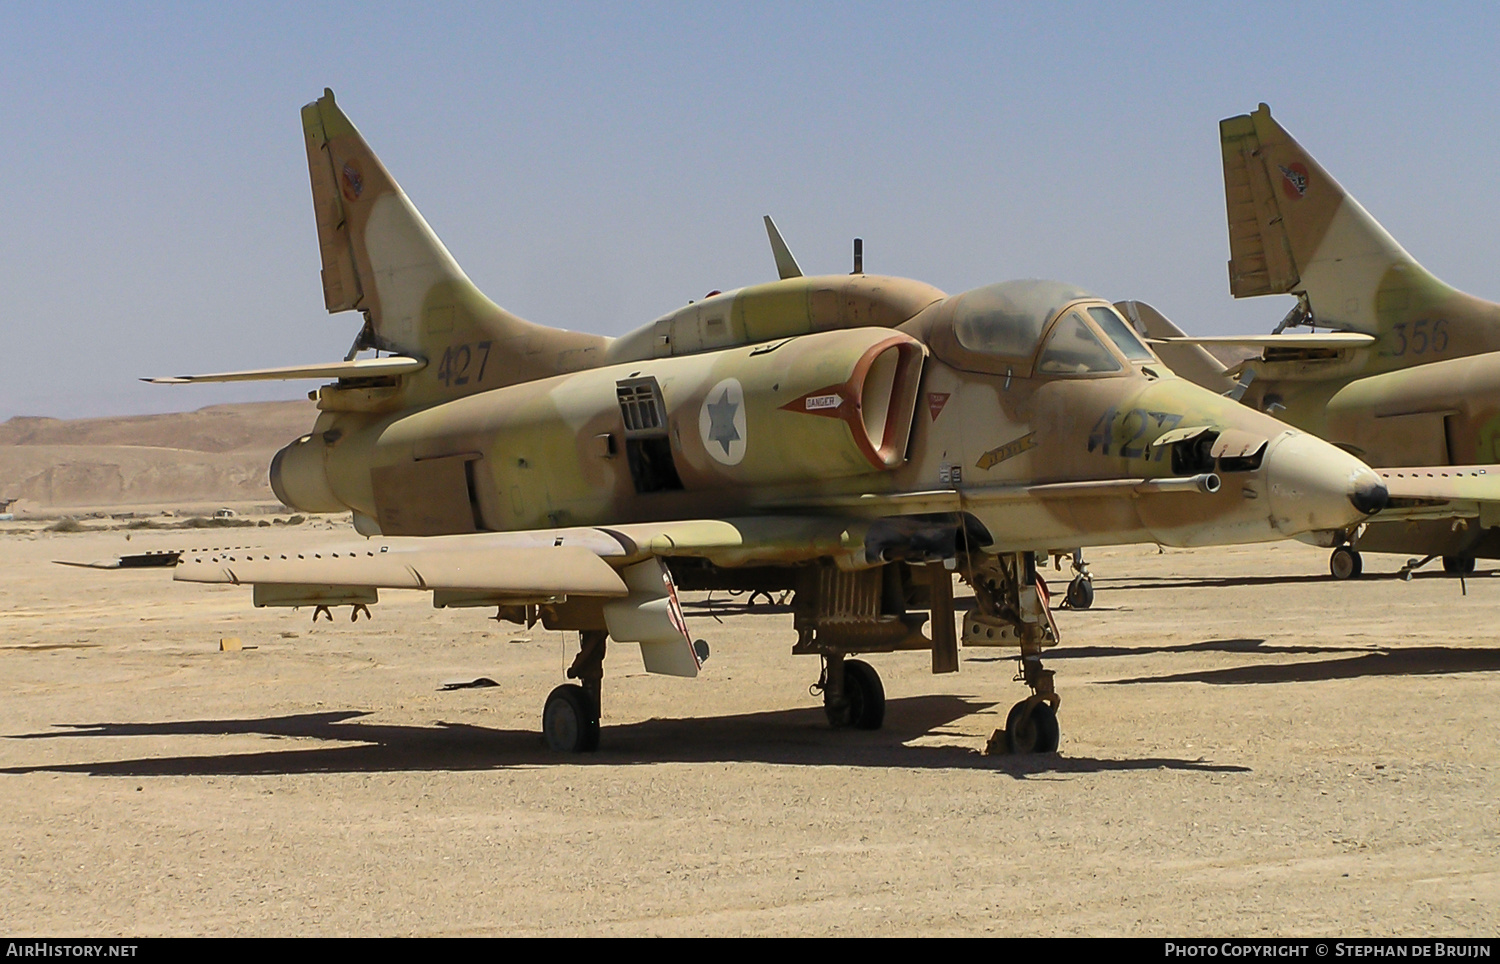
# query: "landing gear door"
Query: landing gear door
652,616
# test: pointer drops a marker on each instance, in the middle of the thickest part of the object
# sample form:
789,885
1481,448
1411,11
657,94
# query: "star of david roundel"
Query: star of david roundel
721,422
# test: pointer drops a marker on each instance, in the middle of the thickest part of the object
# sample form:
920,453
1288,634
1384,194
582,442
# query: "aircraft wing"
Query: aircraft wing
616,574
1442,492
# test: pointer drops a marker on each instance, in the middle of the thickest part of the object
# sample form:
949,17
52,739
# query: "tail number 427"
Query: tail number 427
457,361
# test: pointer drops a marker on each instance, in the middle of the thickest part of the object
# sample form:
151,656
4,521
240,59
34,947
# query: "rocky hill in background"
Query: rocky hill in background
216,454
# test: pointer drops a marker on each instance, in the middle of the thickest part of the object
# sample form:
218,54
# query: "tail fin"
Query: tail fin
1293,229
1192,362
381,258
786,265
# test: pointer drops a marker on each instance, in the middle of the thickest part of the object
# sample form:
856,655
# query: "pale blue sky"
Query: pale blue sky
594,165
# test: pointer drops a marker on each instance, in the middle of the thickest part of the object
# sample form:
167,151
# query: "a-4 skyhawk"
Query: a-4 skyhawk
855,438
1409,375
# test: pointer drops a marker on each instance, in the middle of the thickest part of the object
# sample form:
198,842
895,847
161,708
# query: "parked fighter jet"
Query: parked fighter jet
1409,375
855,438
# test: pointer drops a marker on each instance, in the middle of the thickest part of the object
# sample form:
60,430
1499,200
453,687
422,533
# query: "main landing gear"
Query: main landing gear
879,610
852,693
570,720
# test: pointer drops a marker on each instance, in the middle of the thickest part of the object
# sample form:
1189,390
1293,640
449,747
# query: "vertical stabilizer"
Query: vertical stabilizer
786,265
1293,229
380,257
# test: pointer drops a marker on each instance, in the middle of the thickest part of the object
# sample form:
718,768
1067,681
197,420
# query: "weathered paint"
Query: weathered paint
1427,392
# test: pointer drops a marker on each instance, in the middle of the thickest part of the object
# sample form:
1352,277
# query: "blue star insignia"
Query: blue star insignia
721,421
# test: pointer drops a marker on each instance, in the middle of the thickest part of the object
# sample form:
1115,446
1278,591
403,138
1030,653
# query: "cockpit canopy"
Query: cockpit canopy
1016,327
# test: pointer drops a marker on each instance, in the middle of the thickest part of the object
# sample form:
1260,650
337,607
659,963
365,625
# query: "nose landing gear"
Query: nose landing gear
1080,594
1011,608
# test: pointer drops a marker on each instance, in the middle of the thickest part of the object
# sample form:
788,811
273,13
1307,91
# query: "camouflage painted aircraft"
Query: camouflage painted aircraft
1409,374
855,438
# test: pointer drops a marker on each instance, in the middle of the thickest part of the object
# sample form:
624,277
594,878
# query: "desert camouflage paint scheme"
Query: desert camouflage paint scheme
1410,376
855,438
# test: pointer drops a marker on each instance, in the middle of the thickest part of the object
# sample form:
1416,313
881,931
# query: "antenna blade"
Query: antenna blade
786,265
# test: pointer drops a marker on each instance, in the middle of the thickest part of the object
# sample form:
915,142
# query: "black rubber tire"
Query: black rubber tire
865,693
1080,593
1345,563
1032,732
570,721
1458,565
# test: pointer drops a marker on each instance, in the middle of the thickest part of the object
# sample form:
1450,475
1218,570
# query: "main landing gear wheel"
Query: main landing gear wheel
1031,727
857,701
570,721
865,694
1458,565
1080,593
1345,563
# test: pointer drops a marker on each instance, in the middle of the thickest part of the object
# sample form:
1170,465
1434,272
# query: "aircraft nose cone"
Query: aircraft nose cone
1315,486
1370,496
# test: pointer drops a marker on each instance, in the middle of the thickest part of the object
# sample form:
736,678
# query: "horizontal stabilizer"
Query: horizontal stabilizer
1331,339
355,368
1184,358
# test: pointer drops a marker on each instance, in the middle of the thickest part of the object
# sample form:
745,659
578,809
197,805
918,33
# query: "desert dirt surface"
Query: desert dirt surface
1249,748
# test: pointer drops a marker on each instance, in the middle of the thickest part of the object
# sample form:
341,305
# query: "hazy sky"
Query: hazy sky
595,165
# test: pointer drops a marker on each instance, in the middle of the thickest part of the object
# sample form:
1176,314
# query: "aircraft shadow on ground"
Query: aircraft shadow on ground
1108,584
1367,661
1206,646
721,606
1415,661
785,737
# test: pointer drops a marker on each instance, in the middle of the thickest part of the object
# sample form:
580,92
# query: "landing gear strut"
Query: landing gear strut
1010,608
570,719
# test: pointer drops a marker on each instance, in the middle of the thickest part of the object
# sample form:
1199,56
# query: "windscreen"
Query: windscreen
1074,349
1121,334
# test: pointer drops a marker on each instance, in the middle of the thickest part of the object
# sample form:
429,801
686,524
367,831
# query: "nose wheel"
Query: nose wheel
1345,563
1458,565
1032,727
1080,592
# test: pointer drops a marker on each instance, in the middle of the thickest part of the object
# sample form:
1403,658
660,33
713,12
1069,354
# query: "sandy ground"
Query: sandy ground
1248,748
